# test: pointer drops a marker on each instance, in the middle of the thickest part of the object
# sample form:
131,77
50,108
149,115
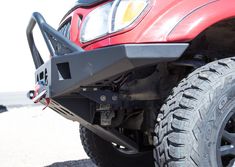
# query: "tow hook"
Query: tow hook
39,97
39,93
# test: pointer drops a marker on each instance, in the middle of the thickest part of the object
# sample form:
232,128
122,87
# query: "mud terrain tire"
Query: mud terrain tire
189,129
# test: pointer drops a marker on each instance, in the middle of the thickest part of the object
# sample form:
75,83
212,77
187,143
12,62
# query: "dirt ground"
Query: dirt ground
31,137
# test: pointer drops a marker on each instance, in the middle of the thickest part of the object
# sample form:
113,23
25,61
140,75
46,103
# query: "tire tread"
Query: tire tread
177,116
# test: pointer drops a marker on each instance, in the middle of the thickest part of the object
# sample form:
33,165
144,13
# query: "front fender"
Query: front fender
198,21
168,15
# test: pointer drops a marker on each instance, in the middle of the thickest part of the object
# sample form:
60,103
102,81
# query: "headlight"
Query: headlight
95,24
111,17
126,12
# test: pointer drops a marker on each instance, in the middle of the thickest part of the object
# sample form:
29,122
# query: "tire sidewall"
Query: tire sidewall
219,103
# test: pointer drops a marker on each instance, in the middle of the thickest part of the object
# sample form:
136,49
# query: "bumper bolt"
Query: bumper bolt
103,98
95,89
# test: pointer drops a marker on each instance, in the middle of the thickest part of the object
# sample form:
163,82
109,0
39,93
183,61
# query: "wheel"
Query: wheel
196,125
105,154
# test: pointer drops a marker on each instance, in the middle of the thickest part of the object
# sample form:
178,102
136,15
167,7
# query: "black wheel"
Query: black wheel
105,154
226,141
196,125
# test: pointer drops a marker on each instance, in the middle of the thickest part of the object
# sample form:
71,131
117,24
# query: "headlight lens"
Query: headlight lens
95,24
111,17
126,12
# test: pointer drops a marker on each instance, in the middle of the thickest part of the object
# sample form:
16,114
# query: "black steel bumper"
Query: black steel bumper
73,68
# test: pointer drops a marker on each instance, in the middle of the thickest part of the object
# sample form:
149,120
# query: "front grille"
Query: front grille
65,29
61,49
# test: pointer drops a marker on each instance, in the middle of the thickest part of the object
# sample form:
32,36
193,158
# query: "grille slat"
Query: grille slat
65,29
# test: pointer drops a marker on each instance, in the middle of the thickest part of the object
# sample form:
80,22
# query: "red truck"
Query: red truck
151,82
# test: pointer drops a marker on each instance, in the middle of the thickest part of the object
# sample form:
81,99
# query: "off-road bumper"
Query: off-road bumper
73,68
62,80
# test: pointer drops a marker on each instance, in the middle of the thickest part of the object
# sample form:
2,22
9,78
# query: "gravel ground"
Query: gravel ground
31,137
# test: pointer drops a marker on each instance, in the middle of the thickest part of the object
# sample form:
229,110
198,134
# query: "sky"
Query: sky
16,64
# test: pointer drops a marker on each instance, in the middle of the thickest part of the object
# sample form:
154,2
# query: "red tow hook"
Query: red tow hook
39,94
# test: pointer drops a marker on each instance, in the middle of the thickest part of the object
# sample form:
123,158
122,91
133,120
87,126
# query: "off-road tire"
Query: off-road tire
187,128
103,153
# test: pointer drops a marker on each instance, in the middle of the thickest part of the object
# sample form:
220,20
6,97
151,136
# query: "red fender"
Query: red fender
167,15
198,21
